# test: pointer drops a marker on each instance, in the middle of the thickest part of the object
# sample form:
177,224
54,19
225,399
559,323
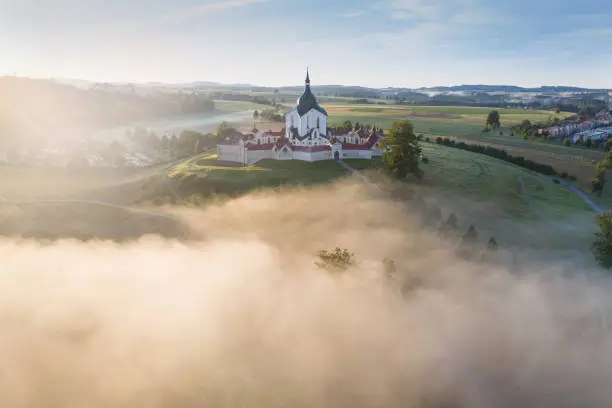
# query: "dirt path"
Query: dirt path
524,191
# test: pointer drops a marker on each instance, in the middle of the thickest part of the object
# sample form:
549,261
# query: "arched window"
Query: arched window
318,123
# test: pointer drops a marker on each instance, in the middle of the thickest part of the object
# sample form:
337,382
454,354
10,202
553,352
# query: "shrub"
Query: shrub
425,159
564,175
492,245
337,260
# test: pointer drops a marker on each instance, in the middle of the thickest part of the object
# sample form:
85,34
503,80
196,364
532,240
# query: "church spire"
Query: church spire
307,77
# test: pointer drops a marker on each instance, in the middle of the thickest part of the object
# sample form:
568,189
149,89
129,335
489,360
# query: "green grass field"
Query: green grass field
517,207
206,175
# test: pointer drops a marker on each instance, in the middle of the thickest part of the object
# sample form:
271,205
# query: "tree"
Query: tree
566,141
602,246
347,125
390,268
402,151
492,245
493,120
337,260
164,143
222,128
255,115
471,236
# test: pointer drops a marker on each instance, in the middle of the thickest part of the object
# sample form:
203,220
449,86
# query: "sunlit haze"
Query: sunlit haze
267,42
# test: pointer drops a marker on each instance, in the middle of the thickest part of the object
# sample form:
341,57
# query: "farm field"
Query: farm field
431,120
466,123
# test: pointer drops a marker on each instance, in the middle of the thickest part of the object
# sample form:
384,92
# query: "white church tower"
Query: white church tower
306,123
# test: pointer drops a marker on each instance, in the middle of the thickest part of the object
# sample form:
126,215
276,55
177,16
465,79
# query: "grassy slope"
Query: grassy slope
205,174
487,193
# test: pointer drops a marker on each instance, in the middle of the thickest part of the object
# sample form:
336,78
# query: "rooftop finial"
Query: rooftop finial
307,77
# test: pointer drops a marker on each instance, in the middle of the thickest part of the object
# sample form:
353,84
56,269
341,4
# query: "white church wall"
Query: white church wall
253,156
309,121
230,153
312,157
357,154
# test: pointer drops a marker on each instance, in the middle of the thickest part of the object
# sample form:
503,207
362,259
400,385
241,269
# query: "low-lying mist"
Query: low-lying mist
243,317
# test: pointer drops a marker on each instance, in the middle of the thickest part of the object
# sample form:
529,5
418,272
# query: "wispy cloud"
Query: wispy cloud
353,14
204,9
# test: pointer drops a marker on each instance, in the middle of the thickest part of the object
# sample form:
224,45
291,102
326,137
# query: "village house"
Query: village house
305,137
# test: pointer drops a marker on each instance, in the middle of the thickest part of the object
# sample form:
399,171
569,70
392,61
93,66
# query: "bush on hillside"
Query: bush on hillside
337,260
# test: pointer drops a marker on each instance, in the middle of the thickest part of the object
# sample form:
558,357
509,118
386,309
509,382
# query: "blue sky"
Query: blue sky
270,42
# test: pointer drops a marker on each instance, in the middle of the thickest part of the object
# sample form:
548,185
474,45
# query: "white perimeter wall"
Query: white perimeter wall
230,153
312,157
357,154
253,156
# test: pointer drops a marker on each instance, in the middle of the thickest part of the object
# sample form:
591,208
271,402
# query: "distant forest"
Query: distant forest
37,107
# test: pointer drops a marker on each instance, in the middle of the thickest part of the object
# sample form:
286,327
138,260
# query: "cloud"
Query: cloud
204,9
353,14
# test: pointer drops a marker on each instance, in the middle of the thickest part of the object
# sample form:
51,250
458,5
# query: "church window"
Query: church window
318,123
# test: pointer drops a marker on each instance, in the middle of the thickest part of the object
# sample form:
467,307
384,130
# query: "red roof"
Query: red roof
371,142
282,142
279,133
311,148
267,146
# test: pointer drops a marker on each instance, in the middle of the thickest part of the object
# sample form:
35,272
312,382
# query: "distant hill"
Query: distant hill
507,88
37,109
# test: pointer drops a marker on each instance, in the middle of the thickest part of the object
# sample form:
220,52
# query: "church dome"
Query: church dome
308,101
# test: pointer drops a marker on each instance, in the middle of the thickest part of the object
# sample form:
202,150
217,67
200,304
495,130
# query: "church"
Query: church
305,136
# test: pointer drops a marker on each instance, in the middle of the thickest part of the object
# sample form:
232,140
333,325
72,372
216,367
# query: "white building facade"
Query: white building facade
305,137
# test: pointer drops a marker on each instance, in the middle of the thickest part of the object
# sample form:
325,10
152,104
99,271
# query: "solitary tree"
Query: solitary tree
492,246
471,236
402,151
493,120
336,261
602,246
